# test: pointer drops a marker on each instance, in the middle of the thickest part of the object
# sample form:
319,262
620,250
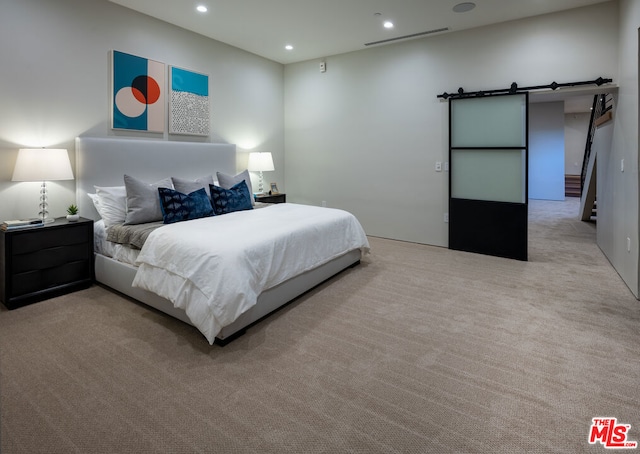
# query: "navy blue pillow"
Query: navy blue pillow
237,198
177,206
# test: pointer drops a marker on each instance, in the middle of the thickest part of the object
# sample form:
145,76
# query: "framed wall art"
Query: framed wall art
137,93
188,102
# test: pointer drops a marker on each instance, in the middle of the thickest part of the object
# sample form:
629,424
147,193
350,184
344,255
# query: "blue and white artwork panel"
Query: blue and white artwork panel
188,102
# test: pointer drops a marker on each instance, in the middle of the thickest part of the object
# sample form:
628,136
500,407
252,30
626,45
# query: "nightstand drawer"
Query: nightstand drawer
49,258
32,281
42,238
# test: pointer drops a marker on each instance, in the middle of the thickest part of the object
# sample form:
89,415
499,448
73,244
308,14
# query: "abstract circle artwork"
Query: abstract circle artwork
138,93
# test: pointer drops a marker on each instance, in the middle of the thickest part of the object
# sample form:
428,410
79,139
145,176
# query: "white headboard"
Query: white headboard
105,161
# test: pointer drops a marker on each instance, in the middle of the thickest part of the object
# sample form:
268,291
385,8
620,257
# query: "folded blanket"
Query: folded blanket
133,236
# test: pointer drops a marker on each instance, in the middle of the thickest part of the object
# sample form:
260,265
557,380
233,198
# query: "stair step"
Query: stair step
572,186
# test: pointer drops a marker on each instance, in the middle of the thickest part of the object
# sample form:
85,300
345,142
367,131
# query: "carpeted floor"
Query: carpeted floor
418,350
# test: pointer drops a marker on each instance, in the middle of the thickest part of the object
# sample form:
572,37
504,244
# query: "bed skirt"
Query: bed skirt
119,276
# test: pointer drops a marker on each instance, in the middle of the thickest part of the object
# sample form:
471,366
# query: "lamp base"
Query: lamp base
260,185
44,213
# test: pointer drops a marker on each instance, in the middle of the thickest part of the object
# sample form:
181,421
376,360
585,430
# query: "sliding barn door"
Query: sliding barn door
488,152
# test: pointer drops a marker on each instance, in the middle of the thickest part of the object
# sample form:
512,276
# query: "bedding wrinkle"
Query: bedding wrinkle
107,248
214,268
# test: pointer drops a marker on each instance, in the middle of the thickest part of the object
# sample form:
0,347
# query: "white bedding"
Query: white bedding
214,268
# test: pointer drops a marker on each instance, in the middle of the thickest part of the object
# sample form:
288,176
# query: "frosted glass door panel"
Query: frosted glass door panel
497,175
496,121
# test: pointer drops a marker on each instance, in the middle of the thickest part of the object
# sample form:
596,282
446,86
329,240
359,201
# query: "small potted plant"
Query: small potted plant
73,215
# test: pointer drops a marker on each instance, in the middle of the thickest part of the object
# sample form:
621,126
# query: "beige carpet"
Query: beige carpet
418,350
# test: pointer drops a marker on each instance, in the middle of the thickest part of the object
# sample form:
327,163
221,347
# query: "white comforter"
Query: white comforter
214,268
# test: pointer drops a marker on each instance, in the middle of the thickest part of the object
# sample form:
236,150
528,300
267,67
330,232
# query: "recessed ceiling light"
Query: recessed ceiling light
388,24
464,7
288,47
201,8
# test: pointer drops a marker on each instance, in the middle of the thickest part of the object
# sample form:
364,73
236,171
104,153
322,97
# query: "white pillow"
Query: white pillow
112,204
96,202
143,200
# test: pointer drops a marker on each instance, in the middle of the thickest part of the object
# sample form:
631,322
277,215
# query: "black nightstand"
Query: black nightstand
42,262
274,198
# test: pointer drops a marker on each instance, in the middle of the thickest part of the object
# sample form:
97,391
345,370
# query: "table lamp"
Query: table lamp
260,162
42,164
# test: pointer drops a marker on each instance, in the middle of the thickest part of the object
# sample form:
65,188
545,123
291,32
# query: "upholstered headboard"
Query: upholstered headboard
105,161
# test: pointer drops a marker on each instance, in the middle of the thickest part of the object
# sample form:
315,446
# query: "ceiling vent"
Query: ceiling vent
414,35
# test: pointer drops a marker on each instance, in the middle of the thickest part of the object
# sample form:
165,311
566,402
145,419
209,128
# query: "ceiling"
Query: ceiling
321,28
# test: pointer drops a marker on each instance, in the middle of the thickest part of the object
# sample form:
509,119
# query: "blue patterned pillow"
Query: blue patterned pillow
177,206
225,201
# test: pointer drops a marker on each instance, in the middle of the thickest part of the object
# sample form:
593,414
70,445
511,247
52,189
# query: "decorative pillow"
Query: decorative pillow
237,198
112,204
143,202
177,206
96,201
188,186
228,181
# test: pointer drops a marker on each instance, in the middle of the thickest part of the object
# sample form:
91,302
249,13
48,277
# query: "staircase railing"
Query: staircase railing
602,103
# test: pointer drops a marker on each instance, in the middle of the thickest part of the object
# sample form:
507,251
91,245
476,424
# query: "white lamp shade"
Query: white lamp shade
260,162
42,164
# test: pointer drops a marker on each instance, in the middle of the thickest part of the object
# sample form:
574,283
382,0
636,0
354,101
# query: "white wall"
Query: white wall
363,136
617,191
55,84
546,151
576,126
366,134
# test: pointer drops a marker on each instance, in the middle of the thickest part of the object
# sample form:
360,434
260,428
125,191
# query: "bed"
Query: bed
103,162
